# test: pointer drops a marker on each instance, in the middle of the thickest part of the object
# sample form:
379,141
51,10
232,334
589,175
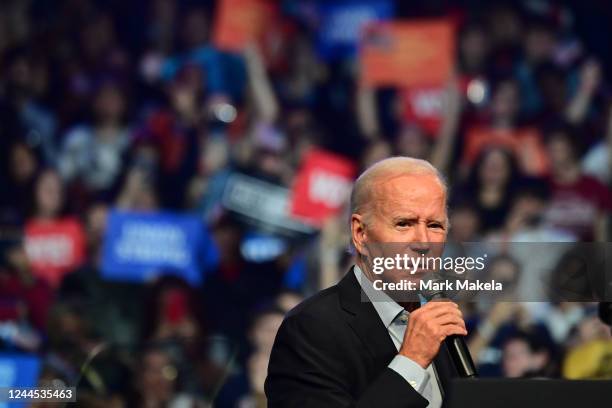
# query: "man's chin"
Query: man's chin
413,276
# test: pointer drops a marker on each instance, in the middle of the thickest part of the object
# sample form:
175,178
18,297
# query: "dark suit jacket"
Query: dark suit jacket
332,350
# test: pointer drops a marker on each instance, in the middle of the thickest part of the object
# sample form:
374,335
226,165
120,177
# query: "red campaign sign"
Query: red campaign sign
239,22
54,248
423,105
322,186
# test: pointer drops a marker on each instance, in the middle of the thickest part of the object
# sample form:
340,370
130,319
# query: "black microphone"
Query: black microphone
456,344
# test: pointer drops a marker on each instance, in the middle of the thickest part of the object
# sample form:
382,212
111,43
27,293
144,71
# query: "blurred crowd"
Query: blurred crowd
129,105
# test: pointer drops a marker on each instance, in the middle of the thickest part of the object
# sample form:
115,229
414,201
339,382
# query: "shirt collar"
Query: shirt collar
387,308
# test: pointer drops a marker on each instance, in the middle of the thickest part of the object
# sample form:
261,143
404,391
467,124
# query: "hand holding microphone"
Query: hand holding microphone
428,327
439,320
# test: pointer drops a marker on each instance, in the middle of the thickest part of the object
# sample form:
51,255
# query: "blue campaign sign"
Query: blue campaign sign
341,21
139,247
18,370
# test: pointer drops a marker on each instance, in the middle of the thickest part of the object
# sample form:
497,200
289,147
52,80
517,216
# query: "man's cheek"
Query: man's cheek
437,236
377,235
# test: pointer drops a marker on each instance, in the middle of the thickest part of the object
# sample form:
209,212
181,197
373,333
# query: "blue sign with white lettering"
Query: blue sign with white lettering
139,247
341,22
18,370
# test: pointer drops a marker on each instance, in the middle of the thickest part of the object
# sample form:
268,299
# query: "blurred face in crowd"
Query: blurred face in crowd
227,237
138,191
303,63
185,92
109,105
539,44
164,10
19,74
96,221
406,210
183,98
27,76
158,376
527,208
504,270
473,47
71,325
518,359
40,77
17,258
49,194
97,37
69,330
96,218
560,152
505,103
271,162
505,26
592,329
195,29
413,143
298,121
465,224
553,90
23,163
495,168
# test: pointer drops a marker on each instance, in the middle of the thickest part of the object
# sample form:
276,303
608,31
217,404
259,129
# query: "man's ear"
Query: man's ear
358,233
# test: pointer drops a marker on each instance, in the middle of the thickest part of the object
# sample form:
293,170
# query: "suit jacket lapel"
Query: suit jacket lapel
368,327
365,322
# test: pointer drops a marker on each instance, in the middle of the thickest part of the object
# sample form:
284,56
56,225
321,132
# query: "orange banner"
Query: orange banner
239,22
525,143
417,53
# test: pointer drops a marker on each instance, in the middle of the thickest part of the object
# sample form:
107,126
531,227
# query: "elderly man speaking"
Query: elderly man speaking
337,349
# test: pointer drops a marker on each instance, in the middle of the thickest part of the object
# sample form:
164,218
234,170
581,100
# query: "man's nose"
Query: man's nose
420,243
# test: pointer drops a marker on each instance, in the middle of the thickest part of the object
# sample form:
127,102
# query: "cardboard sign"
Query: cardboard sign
322,186
525,143
140,247
341,23
415,53
423,105
18,370
54,248
262,204
239,22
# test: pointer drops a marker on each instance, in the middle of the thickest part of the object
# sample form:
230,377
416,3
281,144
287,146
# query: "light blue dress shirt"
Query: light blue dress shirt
395,319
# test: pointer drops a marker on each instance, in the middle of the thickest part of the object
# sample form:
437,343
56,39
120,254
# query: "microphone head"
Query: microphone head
430,287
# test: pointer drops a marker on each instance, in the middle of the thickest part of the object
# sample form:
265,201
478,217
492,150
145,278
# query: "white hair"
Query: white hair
386,169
